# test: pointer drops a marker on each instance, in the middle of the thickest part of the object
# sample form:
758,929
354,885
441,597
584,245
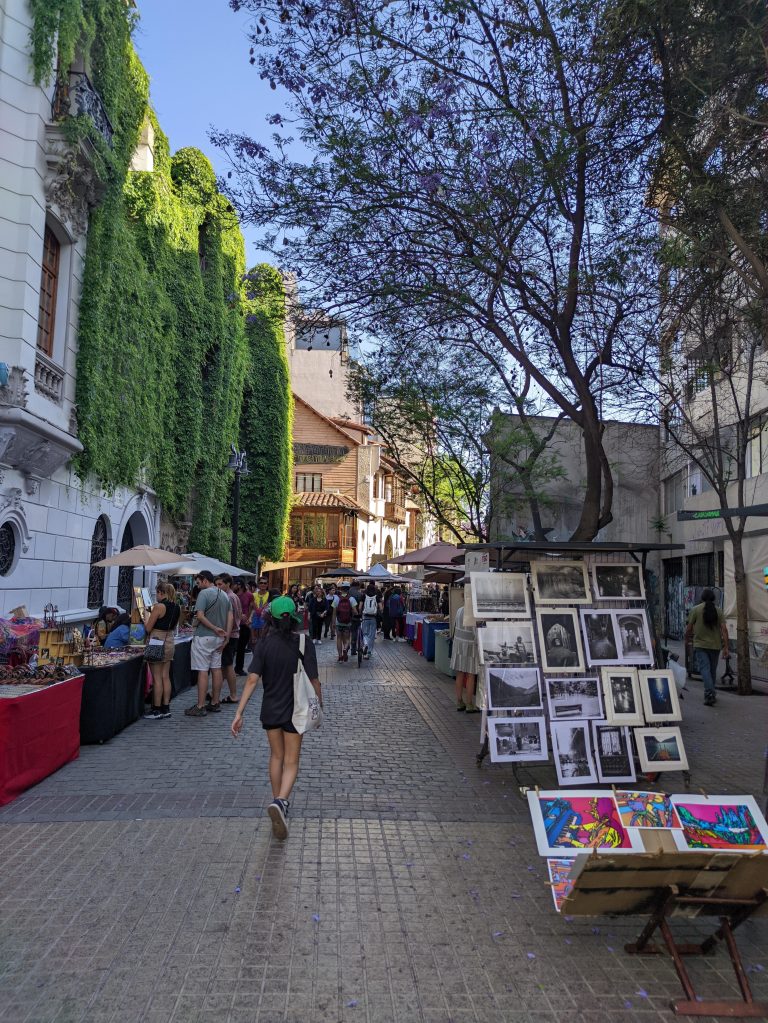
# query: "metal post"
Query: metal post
235,517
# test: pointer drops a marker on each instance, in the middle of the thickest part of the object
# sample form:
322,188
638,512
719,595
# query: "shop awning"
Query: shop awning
277,566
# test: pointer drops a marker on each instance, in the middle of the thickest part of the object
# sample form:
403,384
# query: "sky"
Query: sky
196,54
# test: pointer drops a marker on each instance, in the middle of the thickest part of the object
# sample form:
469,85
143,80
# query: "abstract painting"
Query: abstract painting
720,822
560,879
569,822
646,809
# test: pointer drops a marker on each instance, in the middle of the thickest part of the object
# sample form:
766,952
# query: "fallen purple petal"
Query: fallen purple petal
497,934
316,917
237,891
531,955
466,856
627,1005
352,1004
641,993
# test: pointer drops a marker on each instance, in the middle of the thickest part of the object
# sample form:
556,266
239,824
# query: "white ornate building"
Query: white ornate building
51,523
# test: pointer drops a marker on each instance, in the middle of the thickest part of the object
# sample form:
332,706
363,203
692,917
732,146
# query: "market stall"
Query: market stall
113,694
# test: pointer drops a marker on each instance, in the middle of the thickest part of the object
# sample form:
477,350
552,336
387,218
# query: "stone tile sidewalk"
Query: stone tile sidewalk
141,882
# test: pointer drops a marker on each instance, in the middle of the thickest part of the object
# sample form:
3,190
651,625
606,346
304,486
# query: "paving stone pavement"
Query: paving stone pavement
140,884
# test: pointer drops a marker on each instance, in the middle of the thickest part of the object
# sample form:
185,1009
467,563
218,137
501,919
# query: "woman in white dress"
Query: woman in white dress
464,663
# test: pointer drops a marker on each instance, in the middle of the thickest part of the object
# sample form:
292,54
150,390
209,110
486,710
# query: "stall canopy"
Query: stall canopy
439,553
190,564
379,574
339,573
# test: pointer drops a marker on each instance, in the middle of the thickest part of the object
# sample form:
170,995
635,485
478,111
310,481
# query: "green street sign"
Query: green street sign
720,513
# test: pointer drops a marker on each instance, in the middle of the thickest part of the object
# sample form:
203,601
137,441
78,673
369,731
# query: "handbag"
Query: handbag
307,712
154,650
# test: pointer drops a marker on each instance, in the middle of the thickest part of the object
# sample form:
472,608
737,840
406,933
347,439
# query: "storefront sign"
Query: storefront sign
318,454
477,561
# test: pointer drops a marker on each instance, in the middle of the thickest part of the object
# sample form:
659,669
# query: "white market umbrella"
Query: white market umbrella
191,564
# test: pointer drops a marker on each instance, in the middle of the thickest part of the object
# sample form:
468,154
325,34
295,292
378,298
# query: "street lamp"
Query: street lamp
239,465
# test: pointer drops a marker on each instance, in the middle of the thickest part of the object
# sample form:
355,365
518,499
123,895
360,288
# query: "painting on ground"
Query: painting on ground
500,595
646,809
569,822
720,822
513,688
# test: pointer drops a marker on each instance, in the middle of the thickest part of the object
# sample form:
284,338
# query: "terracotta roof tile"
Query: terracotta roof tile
320,499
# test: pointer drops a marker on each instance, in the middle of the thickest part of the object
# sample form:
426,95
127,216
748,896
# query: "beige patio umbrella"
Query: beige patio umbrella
436,554
142,556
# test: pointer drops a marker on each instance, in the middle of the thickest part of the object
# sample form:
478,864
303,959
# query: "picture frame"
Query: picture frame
572,750
147,597
560,582
560,879
569,822
601,641
513,688
660,698
621,696
634,637
660,749
640,809
612,581
506,643
728,823
612,747
517,739
500,595
138,598
570,698
560,640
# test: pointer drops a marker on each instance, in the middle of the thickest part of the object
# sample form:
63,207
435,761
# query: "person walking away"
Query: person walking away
445,602
386,621
397,615
318,611
213,627
344,609
160,624
229,653
329,627
464,663
245,597
274,663
356,594
370,613
707,629
260,601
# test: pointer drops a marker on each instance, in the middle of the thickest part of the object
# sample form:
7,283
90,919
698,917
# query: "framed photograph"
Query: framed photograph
560,879
146,597
506,643
500,595
600,637
660,749
634,637
618,582
138,596
646,809
613,752
572,750
513,688
621,693
734,823
560,582
567,823
560,640
577,698
515,739
659,694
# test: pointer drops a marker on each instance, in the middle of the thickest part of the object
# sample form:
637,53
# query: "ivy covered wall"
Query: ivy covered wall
164,347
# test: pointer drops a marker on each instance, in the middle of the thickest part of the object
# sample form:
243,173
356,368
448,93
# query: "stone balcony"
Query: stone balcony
49,378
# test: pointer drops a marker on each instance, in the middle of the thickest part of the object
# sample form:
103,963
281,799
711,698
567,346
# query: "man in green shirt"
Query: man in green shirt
707,629
213,627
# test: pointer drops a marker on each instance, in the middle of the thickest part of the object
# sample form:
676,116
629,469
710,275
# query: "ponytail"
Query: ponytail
284,626
709,614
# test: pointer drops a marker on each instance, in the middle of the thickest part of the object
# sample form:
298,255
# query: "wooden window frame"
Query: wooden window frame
49,289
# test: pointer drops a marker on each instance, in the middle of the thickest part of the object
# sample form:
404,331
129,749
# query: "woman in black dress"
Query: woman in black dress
274,662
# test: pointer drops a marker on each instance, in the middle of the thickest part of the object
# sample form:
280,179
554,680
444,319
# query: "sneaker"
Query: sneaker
340,658
152,715
319,642
277,811
208,698
710,700
165,712
214,708
472,709
196,712
461,706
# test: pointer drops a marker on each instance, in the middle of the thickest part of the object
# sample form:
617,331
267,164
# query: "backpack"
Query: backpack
344,611
371,605
395,606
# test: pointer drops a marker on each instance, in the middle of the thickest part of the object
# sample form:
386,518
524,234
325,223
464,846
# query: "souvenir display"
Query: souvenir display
506,643
513,688
500,595
600,637
613,752
720,822
618,582
560,640
572,750
660,749
573,698
659,694
566,823
42,675
560,582
646,809
621,692
512,739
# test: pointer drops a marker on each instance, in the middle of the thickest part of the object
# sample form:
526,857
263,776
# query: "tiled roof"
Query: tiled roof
320,499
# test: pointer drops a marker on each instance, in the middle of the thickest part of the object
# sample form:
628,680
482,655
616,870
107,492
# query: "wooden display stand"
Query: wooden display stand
730,886
54,647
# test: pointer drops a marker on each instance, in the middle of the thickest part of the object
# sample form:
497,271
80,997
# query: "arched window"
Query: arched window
98,551
49,285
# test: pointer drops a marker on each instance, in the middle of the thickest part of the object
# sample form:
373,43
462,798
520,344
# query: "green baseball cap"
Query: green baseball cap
284,606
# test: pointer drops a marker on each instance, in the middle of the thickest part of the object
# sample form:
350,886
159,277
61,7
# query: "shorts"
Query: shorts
285,726
206,653
344,626
229,653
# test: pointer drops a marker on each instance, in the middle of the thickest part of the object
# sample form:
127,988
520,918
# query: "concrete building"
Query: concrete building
52,525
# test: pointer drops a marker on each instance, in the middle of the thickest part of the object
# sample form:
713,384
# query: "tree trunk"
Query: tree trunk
743,668
589,523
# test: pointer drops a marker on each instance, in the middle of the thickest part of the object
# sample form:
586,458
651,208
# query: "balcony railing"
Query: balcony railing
49,379
394,512
75,96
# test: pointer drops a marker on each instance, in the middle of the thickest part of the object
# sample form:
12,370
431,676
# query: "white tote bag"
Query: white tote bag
307,712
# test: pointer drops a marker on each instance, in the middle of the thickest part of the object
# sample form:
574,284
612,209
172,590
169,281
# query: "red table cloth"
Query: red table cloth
419,640
39,733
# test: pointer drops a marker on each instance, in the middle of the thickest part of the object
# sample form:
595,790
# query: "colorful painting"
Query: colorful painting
569,822
721,822
646,809
560,879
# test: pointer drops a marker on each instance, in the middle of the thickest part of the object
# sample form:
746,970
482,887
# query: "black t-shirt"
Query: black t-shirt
276,660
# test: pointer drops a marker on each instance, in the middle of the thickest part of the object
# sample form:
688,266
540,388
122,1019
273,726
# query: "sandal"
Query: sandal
228,699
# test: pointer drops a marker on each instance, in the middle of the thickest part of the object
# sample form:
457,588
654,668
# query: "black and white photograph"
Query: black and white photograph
600,637
618,582
621,694
660,749
560,641
512,739
560,582
513,688
506,643
613,752
500,595
634,637
572,750
659,695
569,698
